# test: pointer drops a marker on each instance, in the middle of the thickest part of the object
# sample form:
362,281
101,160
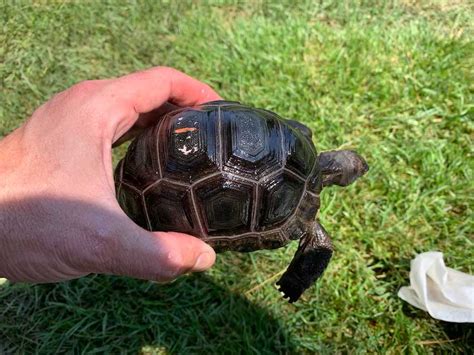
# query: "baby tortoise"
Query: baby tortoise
239,178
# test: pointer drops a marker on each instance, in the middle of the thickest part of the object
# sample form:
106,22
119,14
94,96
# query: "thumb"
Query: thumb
157,256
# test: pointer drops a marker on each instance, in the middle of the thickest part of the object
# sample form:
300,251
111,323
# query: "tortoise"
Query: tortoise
241,179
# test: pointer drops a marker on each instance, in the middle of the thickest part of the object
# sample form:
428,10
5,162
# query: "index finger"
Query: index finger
149,89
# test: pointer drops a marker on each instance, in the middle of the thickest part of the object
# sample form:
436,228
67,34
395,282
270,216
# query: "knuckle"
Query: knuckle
85,86
169,73
166,70
159,71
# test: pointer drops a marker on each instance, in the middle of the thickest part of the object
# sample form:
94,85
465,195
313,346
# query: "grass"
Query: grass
393,80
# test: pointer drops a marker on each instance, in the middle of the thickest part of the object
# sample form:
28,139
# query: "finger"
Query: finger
145,120
157,256
145,91
148,119
149,89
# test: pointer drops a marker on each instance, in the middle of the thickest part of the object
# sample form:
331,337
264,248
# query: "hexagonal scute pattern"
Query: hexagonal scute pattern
278,200
251,142
187,145
225,205
132,204
170,208
140,167
301,153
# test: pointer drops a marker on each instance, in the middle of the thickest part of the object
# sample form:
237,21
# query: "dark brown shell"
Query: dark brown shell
240,178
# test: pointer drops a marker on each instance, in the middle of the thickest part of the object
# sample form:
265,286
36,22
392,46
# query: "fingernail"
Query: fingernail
204,262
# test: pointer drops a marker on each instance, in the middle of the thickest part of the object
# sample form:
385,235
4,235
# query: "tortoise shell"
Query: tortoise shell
239,178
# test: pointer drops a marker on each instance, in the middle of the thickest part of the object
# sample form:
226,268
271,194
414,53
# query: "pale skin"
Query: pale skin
59,216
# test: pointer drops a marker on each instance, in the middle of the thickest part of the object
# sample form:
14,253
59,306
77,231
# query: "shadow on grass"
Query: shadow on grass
462,332
110,314
460,335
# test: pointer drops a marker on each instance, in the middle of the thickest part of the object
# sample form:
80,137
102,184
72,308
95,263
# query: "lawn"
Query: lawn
393,80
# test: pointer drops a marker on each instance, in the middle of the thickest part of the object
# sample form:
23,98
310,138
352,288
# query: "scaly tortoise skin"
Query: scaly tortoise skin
239,178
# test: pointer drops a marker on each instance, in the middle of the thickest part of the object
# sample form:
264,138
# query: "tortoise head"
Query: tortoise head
341,167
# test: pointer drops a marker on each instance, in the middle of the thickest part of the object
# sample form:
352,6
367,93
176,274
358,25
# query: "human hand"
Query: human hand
59,216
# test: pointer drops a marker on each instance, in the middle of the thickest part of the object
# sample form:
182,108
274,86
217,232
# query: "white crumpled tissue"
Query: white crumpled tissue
445,293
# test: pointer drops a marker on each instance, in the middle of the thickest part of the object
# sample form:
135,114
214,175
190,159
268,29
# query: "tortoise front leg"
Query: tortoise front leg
308,264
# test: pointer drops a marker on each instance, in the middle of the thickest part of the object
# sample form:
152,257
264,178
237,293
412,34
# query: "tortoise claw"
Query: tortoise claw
290,288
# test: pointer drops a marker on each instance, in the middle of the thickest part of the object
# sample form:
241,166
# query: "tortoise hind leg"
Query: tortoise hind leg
311,259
